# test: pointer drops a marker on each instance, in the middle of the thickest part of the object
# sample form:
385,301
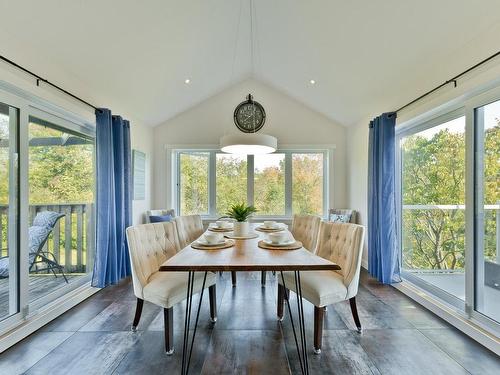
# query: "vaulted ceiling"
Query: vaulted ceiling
366,56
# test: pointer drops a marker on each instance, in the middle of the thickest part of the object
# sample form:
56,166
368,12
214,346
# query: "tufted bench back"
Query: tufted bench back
189,228
149,246
305,229
342,243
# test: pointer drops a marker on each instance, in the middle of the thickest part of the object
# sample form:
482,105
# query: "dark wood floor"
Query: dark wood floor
399,337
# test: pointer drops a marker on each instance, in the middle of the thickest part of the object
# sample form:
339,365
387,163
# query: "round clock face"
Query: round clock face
249,116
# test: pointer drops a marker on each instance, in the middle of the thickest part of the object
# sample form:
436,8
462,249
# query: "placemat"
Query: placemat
214,229
269,230
229,243
293,246
247,237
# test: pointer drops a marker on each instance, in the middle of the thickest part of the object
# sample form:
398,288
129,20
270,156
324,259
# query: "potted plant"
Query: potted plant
241,212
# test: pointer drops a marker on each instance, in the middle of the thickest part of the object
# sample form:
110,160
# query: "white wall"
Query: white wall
357,136
290,121
141,135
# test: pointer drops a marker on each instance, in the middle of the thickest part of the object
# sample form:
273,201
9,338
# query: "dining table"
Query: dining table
246,255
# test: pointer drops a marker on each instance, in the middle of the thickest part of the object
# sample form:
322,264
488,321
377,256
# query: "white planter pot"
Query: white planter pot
241,228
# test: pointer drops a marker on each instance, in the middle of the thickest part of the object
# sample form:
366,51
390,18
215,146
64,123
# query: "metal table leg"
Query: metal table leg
186,356
302,350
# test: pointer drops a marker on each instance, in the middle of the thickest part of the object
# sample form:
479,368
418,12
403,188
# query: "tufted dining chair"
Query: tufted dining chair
189,228
342,243
150,245
304,229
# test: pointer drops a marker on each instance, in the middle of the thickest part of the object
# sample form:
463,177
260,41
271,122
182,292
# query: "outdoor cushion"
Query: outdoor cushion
37,236
160,219
4,267
47,219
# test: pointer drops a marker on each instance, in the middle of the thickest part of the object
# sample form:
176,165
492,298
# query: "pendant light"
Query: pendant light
252,143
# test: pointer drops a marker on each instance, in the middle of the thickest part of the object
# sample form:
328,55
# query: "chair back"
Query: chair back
342,243
149,246
162,212
305,229
189,228
351,214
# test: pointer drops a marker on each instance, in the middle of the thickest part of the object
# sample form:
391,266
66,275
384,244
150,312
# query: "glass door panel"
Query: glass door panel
61,206
487,257
433,208
9,207
231,181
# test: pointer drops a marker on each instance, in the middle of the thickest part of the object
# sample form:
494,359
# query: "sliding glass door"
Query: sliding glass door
449,187
61,184
487,210
9,209
433,206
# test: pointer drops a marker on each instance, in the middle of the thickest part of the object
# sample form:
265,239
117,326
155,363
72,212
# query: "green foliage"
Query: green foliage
240,212
231,180
194,183
307,184
434,174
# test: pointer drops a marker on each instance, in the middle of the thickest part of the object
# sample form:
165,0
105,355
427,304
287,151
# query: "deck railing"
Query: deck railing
71,241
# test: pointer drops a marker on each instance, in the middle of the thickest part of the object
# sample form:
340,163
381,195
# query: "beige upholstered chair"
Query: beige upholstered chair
150,245
189,228
305,229
343,211
341,243
161,212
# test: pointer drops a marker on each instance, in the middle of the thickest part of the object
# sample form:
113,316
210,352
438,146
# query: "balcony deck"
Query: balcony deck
39,286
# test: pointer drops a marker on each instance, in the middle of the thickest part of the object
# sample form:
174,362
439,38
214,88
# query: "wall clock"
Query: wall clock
249,116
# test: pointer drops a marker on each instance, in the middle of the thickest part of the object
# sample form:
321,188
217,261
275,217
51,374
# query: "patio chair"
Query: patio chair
39,232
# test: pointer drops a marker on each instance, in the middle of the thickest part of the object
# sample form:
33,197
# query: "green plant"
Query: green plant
240,212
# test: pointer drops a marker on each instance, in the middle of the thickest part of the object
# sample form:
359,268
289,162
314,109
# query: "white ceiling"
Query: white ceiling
367,56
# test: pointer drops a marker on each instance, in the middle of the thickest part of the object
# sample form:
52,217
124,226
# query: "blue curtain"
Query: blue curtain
383,253
114,199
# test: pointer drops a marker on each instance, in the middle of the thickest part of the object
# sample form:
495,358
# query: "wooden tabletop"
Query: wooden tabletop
246,256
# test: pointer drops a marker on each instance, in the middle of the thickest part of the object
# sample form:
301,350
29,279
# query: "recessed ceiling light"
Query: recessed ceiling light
312,82
187,81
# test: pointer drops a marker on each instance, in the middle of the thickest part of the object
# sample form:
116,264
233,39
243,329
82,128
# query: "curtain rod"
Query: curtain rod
451,80
38,79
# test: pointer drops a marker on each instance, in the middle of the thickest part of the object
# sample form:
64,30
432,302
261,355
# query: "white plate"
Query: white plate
284,243
277,226
205,243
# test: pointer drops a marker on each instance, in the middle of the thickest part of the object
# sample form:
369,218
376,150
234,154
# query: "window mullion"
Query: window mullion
212,192
288,184
250,180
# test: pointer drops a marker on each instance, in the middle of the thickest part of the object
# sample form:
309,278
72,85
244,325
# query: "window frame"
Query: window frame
327,152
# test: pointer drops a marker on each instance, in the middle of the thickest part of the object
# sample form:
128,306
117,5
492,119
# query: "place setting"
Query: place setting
212,241
222,226
270,226
282,240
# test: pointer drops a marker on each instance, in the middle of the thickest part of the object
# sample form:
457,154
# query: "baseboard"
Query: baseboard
467,326
45,315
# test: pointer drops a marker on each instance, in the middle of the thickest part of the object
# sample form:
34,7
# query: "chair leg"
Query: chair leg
233,277
263,278
281,301
318,328
354,309
138,312
213,303
168,319
220,273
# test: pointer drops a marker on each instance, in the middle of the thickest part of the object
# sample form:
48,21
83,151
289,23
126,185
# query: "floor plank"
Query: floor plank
399,337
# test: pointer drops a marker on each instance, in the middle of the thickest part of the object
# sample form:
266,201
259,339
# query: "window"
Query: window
269,184
433,202
278,184
231,180
307,183
193,182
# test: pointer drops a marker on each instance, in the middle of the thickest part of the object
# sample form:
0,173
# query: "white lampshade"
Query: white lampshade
248,143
